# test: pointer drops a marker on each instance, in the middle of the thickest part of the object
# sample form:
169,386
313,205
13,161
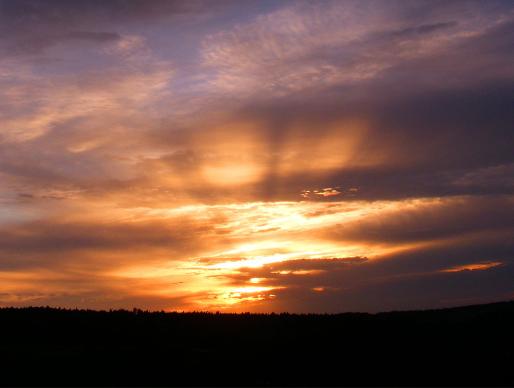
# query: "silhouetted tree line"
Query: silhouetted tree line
470,346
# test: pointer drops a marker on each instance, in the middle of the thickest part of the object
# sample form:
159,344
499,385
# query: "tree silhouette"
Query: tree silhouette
460,346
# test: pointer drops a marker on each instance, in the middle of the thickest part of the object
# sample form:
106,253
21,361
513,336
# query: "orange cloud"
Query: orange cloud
473,267
252,159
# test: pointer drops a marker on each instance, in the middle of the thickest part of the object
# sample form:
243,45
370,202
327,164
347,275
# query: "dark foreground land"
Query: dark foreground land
460,346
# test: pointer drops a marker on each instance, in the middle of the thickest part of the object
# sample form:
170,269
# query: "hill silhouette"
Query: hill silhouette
472,346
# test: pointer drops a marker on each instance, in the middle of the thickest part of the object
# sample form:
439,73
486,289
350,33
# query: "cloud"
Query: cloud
44,104
412,292
99,37
338,135
473,267
166,153
42,26
430,220
384,285
422,29
312,46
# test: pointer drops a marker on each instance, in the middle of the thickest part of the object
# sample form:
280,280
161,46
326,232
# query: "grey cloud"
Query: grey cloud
458,217
421,29
100,294
30,27
428,140
49,243
272,271
412,281
36,44
99,37
317,264
424,261
405,293
62,12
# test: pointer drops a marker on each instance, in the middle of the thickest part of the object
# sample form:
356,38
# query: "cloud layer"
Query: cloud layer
300,156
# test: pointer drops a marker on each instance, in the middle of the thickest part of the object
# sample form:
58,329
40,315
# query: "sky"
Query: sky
301,156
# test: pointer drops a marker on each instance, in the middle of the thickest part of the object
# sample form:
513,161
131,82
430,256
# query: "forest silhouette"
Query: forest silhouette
472,345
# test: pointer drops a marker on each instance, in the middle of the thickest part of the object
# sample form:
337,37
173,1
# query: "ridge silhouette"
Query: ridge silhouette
471,345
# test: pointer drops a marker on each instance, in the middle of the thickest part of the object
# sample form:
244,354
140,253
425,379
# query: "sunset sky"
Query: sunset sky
302,156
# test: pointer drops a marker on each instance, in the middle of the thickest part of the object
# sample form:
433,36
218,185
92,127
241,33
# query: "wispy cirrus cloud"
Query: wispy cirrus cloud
312,45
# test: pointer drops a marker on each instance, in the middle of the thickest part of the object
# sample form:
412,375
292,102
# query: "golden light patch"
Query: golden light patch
255,236
232,154
473,267
232,174
299,272
305,150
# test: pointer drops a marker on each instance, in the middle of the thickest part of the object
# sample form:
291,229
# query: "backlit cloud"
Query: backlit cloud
300,156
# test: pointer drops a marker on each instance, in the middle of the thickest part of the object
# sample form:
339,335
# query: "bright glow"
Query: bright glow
289,232
473,267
